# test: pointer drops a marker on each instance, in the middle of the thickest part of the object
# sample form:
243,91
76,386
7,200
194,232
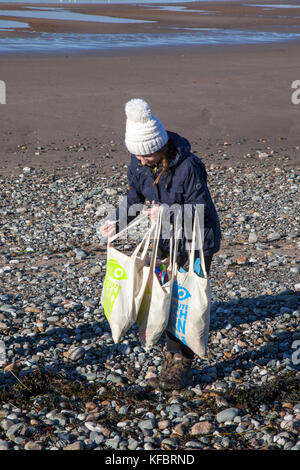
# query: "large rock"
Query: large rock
227,415
147,424
76,354
203,427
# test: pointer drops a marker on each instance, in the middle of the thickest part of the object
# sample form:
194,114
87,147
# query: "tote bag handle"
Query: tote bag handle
197,230
135,222
173,255
157,226
146,238
177,233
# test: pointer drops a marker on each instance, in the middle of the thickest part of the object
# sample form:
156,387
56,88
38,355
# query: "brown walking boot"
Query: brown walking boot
179,375
176,372
155,381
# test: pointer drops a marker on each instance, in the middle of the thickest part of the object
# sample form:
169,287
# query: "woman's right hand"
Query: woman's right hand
152,211
108,229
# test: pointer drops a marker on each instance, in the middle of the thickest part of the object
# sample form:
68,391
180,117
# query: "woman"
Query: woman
164,171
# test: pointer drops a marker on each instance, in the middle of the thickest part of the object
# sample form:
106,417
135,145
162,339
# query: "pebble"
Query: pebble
203,427
76,354
296,408
252,237
4,445
16,430
91,426
132,444
163,424
113,443
7,309
96,270
27,169
74,446
114,378
262,155
227,415
123,410
96,437
31,445
179,429
90,406
79,254
111,191
147,424
194,445
176,409
273,236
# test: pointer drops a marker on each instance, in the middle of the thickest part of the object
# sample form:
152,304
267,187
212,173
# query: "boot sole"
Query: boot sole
165,385
153,383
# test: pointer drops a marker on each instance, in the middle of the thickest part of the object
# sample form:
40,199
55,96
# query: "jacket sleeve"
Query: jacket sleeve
126,211
197,192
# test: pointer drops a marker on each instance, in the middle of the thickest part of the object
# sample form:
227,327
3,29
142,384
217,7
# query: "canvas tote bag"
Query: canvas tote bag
124,283
154,310
191,298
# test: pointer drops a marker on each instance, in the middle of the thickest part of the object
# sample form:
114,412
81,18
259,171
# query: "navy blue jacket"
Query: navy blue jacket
185,183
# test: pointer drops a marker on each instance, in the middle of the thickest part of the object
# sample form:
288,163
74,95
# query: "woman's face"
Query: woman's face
149,160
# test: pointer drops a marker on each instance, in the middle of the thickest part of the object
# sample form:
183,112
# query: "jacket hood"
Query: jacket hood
183,148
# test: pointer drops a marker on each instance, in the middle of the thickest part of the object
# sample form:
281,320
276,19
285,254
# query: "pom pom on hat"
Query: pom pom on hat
145,134
138,110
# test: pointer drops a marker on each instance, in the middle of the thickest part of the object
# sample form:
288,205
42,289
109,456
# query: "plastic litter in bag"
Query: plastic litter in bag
197,268
161,272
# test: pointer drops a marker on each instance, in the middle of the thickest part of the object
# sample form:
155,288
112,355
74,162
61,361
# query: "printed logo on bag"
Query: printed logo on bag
144,305
115,270
180,292
111,289
179,312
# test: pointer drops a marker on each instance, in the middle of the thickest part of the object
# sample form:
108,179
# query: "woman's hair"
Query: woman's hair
167,152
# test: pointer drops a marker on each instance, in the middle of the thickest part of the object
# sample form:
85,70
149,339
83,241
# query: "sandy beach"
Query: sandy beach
239,94
212,95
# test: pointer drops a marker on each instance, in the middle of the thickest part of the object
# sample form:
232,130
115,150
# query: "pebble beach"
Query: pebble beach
64,384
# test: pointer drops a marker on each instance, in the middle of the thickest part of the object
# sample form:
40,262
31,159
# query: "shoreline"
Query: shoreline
230,23
123,51
142,49
234,15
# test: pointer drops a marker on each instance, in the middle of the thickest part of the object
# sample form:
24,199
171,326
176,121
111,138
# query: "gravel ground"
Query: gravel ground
64,384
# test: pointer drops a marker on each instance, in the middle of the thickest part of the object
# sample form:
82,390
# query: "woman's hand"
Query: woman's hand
108,229
152,212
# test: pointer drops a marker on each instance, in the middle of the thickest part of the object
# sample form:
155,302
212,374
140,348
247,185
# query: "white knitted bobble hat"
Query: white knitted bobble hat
145,134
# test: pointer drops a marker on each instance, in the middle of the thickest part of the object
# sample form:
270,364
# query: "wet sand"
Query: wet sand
220,15
240,95
235,15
